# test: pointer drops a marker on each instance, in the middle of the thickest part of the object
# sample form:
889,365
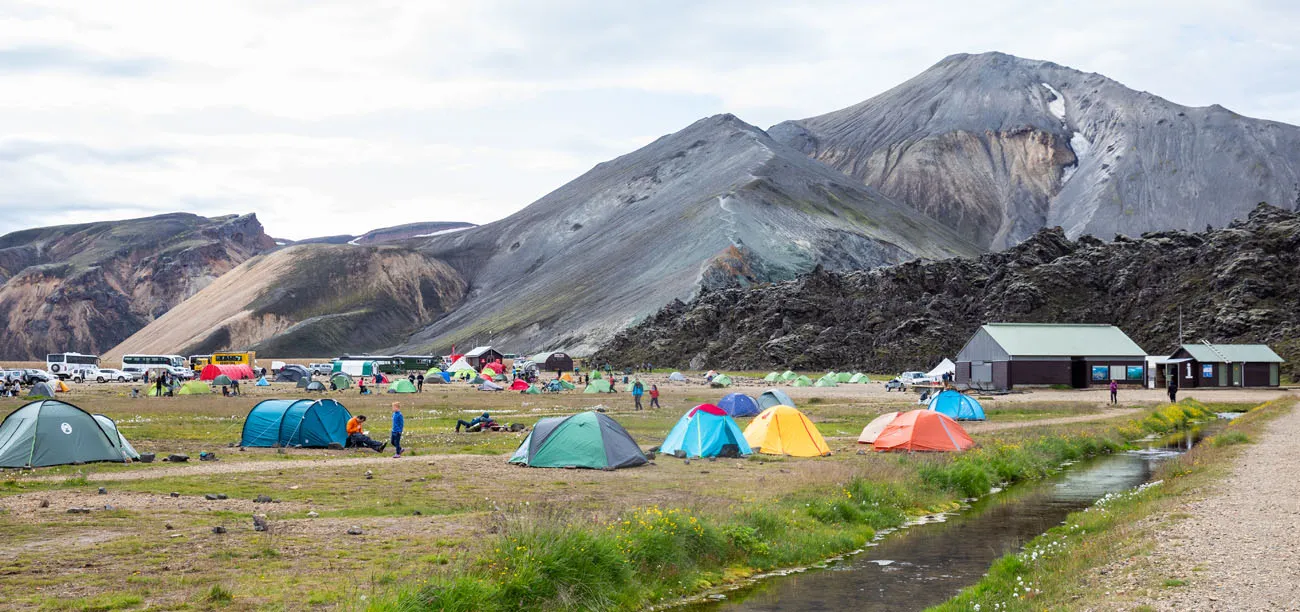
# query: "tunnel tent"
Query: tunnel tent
739,405
958,406
110,427
844,377
300,423
597,386
789,375
706,431
221,381
923,430
772,377
315,385
341,381
677,377
720,381
401,385
261,382
877,425
584,440
774,397
194,387
235,371
50,432
41,389
782,430
802,381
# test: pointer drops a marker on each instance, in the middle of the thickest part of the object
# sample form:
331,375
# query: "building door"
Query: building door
1273,378
1223,374
1078,372
1236,374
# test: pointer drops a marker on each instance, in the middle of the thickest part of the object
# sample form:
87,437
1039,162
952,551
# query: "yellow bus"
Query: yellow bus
248,358
198,361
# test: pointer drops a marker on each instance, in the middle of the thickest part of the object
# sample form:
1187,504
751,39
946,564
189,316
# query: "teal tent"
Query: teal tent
706,431
261,382
221,381
50,432
957,406
296,423
584,440
774,397
110,428
303,382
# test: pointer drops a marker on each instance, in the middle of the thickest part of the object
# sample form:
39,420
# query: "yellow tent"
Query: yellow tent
782,430
61,387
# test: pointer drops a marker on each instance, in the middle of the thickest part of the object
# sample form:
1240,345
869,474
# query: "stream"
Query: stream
928,564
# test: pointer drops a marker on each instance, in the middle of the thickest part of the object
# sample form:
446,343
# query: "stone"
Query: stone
222,496
177,458
45,503
262,499
211,497
168,527
103,491
259,522
370,475
218,529
354,530
174,494
312,514
78,510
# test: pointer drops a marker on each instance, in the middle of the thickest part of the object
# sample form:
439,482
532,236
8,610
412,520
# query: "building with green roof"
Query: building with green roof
1224,365
1006,355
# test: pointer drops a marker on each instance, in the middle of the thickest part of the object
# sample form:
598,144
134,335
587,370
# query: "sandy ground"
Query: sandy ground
1240,548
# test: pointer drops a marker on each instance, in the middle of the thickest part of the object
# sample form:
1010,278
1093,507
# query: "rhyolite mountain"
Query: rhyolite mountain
1233,284
716,204
86,287
384,235
999,147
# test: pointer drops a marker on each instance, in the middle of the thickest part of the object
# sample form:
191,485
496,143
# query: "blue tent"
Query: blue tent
703,432
739,405
298,423
261,382
446,376
957,406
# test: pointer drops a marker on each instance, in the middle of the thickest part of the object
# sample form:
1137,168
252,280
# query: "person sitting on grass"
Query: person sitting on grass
478,421
357,437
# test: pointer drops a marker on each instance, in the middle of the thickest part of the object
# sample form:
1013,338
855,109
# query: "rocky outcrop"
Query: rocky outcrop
385,235
1235,284
86,287
312,300
718,204
998,147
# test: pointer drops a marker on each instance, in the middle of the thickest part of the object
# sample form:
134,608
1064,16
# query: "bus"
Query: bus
65,365
173,364
198,361
248,358
398,364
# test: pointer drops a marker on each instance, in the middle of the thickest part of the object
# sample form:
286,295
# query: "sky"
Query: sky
330,118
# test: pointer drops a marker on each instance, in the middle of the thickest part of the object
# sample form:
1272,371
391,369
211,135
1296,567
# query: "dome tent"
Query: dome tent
923,430
597,386
261,382
341,381
401,385
50,432
296,423
720,381
877,425
802,381
774,397
41,389
315,385
706,431
221,381
956,405
110,427
782,430
772,377
826,381
843,377
584,440
739,405
677,377
789,375
194,387
859,379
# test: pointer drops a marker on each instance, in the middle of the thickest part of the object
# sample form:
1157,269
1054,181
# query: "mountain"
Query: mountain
716,204
999,147
310,300
397,233
86,287
1233,285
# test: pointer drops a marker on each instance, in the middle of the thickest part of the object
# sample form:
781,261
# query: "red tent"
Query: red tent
235,372
519,385
923,430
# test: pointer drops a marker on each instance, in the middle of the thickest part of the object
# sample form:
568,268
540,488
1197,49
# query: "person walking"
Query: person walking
654,396
1173,389
637,390
419,383
1114,391
399,424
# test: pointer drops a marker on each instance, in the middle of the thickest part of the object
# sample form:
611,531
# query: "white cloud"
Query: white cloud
338,117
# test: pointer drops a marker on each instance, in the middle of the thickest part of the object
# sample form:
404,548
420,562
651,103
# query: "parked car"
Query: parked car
320,369
907,379
11,375
32,376
109,374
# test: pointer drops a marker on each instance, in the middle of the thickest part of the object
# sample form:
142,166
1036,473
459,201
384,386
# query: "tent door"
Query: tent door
1078,372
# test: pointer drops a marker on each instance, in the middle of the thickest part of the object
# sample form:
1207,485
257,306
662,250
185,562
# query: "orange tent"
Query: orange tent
923,430
782,430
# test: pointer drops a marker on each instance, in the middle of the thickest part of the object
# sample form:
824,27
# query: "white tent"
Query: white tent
877,425
461,365
945,367
676,377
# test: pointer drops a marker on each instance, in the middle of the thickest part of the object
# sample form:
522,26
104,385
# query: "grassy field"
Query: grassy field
439,512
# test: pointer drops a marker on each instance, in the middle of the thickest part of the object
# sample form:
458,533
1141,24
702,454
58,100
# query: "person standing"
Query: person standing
637,390
419,383
654,396
399,424
1173,389
1114,391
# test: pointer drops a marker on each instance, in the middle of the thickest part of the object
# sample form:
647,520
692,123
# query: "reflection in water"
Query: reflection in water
928,565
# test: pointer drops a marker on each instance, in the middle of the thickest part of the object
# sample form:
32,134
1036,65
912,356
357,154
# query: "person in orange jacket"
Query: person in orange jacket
357,437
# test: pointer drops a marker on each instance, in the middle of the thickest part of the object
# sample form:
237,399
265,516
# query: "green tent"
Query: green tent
844,377
802,381
789,375
597,386
500,378
859,378
597,375
584,440
110,428
221,381
478,380
567,385
826,381
50,432
533,389
433,372
772,377
195,387
720,381
342,381
401,386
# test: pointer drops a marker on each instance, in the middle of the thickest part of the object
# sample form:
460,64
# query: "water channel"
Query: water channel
928,564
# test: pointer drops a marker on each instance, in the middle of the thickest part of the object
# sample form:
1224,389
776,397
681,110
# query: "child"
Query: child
399,424
654,396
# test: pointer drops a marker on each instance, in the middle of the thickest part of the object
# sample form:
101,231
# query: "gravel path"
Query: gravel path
1240,548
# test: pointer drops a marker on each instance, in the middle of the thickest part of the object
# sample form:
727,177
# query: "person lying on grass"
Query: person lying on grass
479,423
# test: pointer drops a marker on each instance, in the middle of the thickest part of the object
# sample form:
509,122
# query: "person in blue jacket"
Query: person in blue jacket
399,424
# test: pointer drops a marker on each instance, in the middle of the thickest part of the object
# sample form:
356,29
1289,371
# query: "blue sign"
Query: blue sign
1207,370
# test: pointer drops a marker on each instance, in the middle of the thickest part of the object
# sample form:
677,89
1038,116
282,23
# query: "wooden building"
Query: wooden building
1007,355
1224,365
483,355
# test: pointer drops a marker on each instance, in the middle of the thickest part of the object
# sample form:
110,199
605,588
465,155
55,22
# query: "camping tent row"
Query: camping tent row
296,423
830,379
47,389
50,432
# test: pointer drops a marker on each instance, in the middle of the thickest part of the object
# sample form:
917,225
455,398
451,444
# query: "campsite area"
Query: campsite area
150,539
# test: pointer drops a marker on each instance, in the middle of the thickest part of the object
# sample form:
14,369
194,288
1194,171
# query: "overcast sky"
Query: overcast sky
339,117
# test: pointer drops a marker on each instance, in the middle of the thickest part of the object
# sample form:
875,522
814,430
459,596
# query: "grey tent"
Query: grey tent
341,381
774,397
676,377
110,428
490,386
292,373
221,381
315,385
50,432
584,440
41,389
303,382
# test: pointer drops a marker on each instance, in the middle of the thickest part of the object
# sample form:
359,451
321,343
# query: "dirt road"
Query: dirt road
1240,547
